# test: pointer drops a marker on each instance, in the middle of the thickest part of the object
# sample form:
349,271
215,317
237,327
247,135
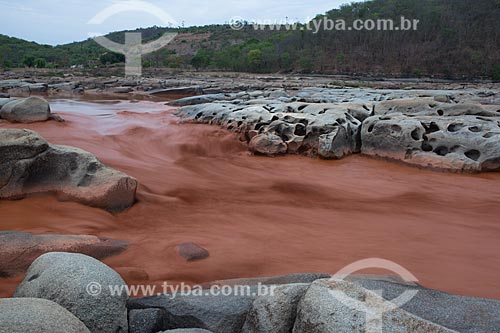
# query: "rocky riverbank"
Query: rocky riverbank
280,215
456,131
80,294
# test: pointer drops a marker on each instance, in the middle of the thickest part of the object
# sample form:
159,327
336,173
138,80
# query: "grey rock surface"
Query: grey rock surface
332,123
320,311
454,143
277,312
145,321
26,110
34,315
20,249
297,278
64,278
325,130
268,144
194,100
217,313
4,101
30,165
187,330
459,313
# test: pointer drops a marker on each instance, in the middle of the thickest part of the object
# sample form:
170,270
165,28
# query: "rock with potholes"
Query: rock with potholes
20,249
453,143
26,110
325,130
217,313
35,315
65,278
277,312
192,251
330,306
29,165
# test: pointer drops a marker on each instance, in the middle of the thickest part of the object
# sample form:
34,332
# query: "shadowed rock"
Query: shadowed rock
29,165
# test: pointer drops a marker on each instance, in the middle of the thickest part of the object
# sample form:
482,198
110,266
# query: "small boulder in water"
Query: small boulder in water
268,144
192,251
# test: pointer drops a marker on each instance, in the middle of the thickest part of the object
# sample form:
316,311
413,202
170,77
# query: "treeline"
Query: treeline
455,38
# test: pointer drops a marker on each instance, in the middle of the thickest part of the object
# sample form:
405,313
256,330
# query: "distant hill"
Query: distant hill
456,38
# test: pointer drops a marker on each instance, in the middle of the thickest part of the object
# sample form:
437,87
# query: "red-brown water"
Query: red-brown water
264,216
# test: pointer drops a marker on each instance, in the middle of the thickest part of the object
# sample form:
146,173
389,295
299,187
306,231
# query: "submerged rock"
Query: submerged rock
29,165
20,249
192,251
64,278
35,315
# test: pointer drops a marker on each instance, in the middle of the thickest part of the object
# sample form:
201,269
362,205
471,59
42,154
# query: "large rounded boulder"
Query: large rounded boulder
35,315
29,165
89,289
26,110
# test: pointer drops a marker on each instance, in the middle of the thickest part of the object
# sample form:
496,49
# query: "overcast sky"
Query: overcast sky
59,22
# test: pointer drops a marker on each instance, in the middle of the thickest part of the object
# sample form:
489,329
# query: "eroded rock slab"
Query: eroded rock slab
462,143
325,130
28,165
20,249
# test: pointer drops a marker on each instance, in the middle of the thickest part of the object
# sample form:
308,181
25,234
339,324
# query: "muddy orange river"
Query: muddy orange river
264,216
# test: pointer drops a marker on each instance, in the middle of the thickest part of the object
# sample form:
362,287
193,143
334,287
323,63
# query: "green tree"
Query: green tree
496,73
40,63
254,59
29,61
109,58
202,59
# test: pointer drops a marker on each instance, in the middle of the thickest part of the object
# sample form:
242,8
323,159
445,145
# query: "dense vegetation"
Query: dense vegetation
455,38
